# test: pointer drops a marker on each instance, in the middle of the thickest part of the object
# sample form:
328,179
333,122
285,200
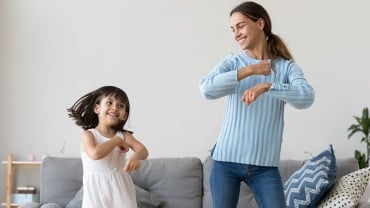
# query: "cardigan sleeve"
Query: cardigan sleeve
221,81
297,91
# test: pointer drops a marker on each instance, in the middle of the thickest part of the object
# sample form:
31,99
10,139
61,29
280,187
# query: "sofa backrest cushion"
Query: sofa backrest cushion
60,179
177,181
345,166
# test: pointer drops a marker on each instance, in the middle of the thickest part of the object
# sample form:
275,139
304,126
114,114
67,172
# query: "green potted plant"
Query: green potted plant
362,125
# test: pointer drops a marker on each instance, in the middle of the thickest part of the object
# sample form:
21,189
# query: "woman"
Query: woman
257,83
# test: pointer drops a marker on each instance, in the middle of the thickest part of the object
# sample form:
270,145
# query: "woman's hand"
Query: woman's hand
251,94
262,68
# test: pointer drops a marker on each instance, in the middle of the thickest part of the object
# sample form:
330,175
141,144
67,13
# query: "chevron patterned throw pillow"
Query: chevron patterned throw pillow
306,186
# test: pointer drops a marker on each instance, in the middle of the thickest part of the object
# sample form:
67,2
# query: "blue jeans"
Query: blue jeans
265,183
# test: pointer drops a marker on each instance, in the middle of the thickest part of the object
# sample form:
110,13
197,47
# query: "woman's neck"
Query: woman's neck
257,54
258,51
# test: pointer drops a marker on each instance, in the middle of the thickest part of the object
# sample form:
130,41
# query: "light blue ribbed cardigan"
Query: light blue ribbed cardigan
253,134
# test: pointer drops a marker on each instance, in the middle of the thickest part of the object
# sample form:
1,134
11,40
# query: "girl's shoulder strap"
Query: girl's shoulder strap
93,131
120,134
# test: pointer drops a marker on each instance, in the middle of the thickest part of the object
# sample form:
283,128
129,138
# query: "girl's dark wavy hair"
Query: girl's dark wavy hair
254,12
83,109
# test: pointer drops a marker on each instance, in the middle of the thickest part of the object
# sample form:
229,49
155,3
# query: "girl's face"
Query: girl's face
111,111
247,32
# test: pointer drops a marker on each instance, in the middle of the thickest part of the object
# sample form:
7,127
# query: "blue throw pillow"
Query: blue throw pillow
307,185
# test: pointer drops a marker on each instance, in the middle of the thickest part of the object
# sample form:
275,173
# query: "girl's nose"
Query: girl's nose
115,107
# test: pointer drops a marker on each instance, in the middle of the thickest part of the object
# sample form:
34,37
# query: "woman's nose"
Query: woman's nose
236,34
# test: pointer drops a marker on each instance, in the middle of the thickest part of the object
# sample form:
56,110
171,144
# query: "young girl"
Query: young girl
103,113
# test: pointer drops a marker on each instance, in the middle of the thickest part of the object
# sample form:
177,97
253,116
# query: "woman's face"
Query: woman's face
247,33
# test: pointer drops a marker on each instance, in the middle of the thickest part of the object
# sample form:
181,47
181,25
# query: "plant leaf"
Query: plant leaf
365,123
353,131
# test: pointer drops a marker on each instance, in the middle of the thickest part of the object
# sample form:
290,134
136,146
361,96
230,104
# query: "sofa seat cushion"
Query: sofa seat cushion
50,205
144,199
76,202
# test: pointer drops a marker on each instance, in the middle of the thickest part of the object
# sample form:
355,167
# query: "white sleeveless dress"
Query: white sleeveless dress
105,185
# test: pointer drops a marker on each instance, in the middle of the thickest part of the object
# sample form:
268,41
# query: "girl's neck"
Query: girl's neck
106,131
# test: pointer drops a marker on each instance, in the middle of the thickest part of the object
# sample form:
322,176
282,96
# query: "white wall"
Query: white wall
53,52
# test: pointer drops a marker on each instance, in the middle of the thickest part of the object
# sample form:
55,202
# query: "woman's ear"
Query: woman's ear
261,23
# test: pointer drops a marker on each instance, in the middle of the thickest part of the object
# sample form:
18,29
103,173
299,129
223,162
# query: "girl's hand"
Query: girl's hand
123,149
123,145
132,164
139,153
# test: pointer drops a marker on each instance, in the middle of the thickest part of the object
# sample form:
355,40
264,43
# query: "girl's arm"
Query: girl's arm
99,151
140,152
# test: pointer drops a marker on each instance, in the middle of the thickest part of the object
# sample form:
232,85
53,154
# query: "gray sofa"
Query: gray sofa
178,182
